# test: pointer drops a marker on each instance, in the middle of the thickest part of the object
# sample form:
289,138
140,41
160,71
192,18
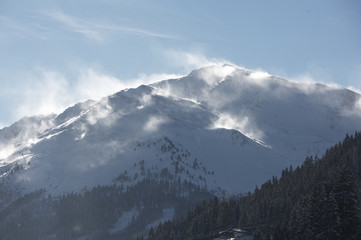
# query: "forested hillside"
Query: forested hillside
103,212
318,200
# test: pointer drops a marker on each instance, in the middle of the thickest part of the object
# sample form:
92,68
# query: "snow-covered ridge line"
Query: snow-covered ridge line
242,125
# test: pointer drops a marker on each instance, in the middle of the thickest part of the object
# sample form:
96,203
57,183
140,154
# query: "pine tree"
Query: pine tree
258,235
329,218
279,232
298,224
346,198
324,214
315,211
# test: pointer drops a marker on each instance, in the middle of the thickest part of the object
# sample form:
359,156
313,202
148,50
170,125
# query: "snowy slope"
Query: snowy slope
220,126
291,118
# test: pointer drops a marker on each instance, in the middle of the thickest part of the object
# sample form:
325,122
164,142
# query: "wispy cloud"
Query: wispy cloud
241,124
42,94
77,25
48,91
190,59
354,78
318,74
153,123
13,28
97,30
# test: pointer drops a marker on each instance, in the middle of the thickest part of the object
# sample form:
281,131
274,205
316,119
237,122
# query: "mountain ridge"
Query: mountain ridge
268,123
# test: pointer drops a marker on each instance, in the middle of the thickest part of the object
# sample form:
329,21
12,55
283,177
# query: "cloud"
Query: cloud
304,77
6,150
14,28
354,78
98,30
24,134
309,79
154,77
243,125
351,80
215,74
100,111
153,123
77,25
358,106
190,60
259,75
94,85
306,82
348,104
46,91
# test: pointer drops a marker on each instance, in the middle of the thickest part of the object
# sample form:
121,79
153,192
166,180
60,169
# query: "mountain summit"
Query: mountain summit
222,127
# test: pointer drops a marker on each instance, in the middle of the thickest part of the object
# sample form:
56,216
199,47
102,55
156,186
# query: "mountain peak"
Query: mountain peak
213,74
218,113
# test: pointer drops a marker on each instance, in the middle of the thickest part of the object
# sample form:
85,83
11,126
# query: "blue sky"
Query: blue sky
55,53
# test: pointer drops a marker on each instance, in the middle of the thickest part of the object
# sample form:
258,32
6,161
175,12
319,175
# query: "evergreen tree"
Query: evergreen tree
279,232
346,198
329,218
298,224
323,213
315,211
258,235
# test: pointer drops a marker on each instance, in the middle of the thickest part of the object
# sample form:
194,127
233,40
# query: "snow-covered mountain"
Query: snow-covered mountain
223,127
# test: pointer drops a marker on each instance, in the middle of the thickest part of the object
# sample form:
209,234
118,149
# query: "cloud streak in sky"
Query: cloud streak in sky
97,31
13,28
76,25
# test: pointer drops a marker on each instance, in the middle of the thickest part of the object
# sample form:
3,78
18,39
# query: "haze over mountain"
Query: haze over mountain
221,126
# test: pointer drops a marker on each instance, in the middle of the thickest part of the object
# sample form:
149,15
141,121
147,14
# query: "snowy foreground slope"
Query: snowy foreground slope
221,126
